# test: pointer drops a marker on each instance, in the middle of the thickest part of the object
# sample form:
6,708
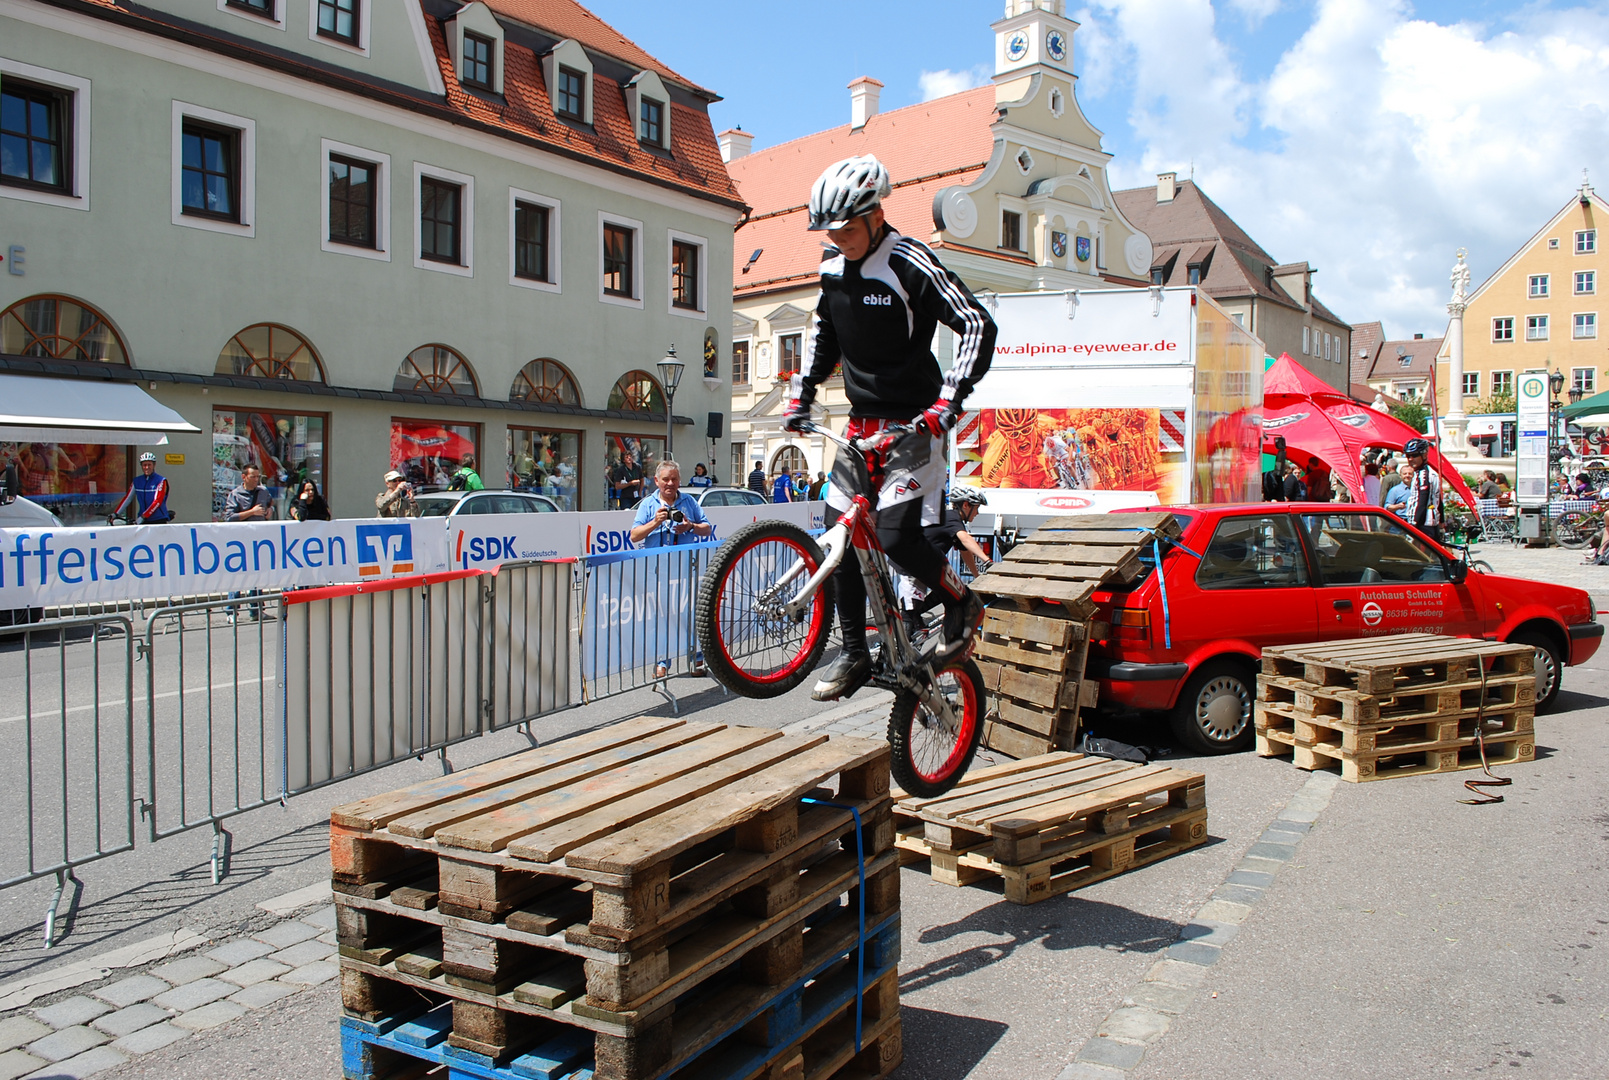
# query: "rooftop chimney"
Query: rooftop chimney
863,96
1167,186
735,143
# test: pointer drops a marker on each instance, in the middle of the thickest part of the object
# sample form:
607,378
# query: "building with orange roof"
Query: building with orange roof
345,236
1007,183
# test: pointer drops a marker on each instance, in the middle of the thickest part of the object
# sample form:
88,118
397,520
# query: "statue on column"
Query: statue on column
1460,279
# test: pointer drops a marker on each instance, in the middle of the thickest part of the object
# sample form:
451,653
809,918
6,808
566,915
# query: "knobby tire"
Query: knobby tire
748,651
915,768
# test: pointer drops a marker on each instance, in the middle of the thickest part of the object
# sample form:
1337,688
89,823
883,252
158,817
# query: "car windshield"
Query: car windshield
429,507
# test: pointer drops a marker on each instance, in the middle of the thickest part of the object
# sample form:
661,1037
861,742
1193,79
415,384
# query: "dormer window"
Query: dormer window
571,97
478,52
653,122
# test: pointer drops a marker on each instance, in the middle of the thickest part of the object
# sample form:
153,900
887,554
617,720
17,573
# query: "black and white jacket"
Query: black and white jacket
876,318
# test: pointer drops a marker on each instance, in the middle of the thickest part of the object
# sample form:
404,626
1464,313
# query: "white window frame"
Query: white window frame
1307,336
1590,238
1586,378
746,339
1542,323
1475,378
555,285
1506,340
569,53
647,84
78,197
1508,382
1020,208
1553,244
1537,286
381,252
466,227
247,226
1584,320
1591,277
638,284
672,237
278,19
365,22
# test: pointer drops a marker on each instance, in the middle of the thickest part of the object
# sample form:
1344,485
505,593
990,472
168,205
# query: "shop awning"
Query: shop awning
38,409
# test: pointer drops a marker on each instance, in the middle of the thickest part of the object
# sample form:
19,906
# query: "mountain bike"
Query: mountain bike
765,608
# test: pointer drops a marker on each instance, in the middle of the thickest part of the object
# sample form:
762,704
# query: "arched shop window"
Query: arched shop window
59,328
271,351
436,369
545,381
790,458
637,391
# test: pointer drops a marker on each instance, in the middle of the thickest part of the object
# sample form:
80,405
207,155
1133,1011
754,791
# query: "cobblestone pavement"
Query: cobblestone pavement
1558,565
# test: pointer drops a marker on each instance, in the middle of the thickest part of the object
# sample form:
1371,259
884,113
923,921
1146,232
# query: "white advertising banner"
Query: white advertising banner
1125,328
48,567
1531,457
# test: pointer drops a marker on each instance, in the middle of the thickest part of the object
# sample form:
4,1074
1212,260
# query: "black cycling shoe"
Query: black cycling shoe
961,622
848,673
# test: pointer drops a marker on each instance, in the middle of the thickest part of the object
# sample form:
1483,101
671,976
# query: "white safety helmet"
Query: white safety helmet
147,457
966,496
852,187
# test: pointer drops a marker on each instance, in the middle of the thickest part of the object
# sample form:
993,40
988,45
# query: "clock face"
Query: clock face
1056,45
1017,46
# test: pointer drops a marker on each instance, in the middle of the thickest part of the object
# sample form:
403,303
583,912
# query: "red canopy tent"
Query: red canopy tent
1318,422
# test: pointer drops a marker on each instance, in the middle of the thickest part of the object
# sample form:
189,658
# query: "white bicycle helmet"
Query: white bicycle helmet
852,187
966,496
148,457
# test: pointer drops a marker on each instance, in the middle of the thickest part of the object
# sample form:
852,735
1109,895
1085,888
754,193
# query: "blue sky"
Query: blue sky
1371,137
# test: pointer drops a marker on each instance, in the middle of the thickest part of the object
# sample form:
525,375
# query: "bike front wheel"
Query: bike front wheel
1573,529
752,645
928,757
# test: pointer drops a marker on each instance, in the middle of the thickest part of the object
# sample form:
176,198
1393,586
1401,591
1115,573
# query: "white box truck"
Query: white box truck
1103,399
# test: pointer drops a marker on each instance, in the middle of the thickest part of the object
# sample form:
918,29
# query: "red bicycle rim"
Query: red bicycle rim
963,737
817,614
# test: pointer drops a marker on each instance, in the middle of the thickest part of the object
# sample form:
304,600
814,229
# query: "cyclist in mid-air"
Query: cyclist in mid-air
882,297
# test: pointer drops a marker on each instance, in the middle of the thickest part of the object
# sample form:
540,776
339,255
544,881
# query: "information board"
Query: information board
1531,455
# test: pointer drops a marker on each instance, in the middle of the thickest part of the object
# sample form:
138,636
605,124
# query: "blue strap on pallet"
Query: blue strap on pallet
1161,578
860,942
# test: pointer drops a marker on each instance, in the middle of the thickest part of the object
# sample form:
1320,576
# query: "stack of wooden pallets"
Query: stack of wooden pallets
1036,635
655,898
1402,705
1055,823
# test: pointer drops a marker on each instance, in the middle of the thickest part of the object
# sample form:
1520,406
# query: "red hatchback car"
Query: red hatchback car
1247,576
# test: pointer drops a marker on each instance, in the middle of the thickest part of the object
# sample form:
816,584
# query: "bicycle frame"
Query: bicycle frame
902,666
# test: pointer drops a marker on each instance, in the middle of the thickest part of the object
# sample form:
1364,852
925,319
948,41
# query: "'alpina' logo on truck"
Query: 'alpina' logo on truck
1065,502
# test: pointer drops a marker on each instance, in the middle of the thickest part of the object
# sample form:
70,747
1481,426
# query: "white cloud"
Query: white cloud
1382,143
942,83
1255,11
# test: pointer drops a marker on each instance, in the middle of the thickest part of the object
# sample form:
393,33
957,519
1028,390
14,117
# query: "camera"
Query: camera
677,516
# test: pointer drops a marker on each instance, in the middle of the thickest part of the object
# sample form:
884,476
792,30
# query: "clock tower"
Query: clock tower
1035,34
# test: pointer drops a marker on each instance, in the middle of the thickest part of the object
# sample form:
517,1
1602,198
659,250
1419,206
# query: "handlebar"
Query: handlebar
810,427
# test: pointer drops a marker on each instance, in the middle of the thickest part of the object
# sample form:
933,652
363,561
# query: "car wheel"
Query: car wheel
1549,666
1214,713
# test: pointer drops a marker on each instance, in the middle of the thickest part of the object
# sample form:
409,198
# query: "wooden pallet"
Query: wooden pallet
1054,823
1424,733
1357,768
598,882
1298,697
1067,559
726,1031
1397,663
1033,670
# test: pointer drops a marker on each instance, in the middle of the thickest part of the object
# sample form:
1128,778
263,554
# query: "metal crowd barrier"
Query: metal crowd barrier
636,618
67,748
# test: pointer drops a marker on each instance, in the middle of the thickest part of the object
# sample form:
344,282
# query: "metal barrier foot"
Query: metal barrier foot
662,688
222,845
446,766
62,878
525,729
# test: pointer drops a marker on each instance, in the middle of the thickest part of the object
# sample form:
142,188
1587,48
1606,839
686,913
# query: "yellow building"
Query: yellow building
1539,310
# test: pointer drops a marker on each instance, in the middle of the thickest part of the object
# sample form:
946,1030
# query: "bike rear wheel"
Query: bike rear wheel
1573,529
751,646
929,760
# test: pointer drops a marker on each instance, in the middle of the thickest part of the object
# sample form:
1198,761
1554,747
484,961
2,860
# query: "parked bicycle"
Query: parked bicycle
1575,528
765,608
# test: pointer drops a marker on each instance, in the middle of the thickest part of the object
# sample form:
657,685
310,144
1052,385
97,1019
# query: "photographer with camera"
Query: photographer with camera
671,517
397,500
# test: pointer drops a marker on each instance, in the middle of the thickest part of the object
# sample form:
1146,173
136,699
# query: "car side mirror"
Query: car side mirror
1457,571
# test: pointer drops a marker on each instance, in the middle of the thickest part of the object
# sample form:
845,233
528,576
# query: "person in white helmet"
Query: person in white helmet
147,500
883,296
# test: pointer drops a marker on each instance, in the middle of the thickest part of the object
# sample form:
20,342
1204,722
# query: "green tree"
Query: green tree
1497,403
1413,413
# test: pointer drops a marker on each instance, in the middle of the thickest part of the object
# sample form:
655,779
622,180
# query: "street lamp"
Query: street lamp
1575,395
670,374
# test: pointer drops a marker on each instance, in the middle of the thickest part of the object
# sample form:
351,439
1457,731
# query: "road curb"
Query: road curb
20,992
1171,986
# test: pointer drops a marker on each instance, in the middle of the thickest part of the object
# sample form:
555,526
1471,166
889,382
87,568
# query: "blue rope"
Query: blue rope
860,951
1162,581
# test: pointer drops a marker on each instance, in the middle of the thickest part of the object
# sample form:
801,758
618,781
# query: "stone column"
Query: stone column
1454,422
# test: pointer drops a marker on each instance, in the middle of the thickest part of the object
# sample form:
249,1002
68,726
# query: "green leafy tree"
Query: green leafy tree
1497,403
1413,413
